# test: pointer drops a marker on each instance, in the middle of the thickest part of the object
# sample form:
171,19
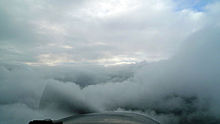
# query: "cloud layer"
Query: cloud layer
98,32
79,36
183,89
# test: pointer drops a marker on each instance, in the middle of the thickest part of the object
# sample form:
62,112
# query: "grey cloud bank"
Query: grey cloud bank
183,89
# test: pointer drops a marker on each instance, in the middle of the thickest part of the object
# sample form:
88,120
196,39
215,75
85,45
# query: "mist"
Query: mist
164,63
183,89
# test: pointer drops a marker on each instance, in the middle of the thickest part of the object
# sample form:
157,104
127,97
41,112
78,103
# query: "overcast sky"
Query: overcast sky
104,32
156,57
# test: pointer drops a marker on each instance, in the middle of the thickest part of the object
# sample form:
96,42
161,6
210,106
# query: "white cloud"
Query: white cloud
154,28
180,85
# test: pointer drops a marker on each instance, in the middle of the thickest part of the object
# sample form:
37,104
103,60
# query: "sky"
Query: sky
155,57
96,32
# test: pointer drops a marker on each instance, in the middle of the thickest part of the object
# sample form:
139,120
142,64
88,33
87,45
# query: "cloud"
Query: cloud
181,89
123,27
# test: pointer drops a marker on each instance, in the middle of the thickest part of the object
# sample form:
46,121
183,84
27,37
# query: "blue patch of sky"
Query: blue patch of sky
196,5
